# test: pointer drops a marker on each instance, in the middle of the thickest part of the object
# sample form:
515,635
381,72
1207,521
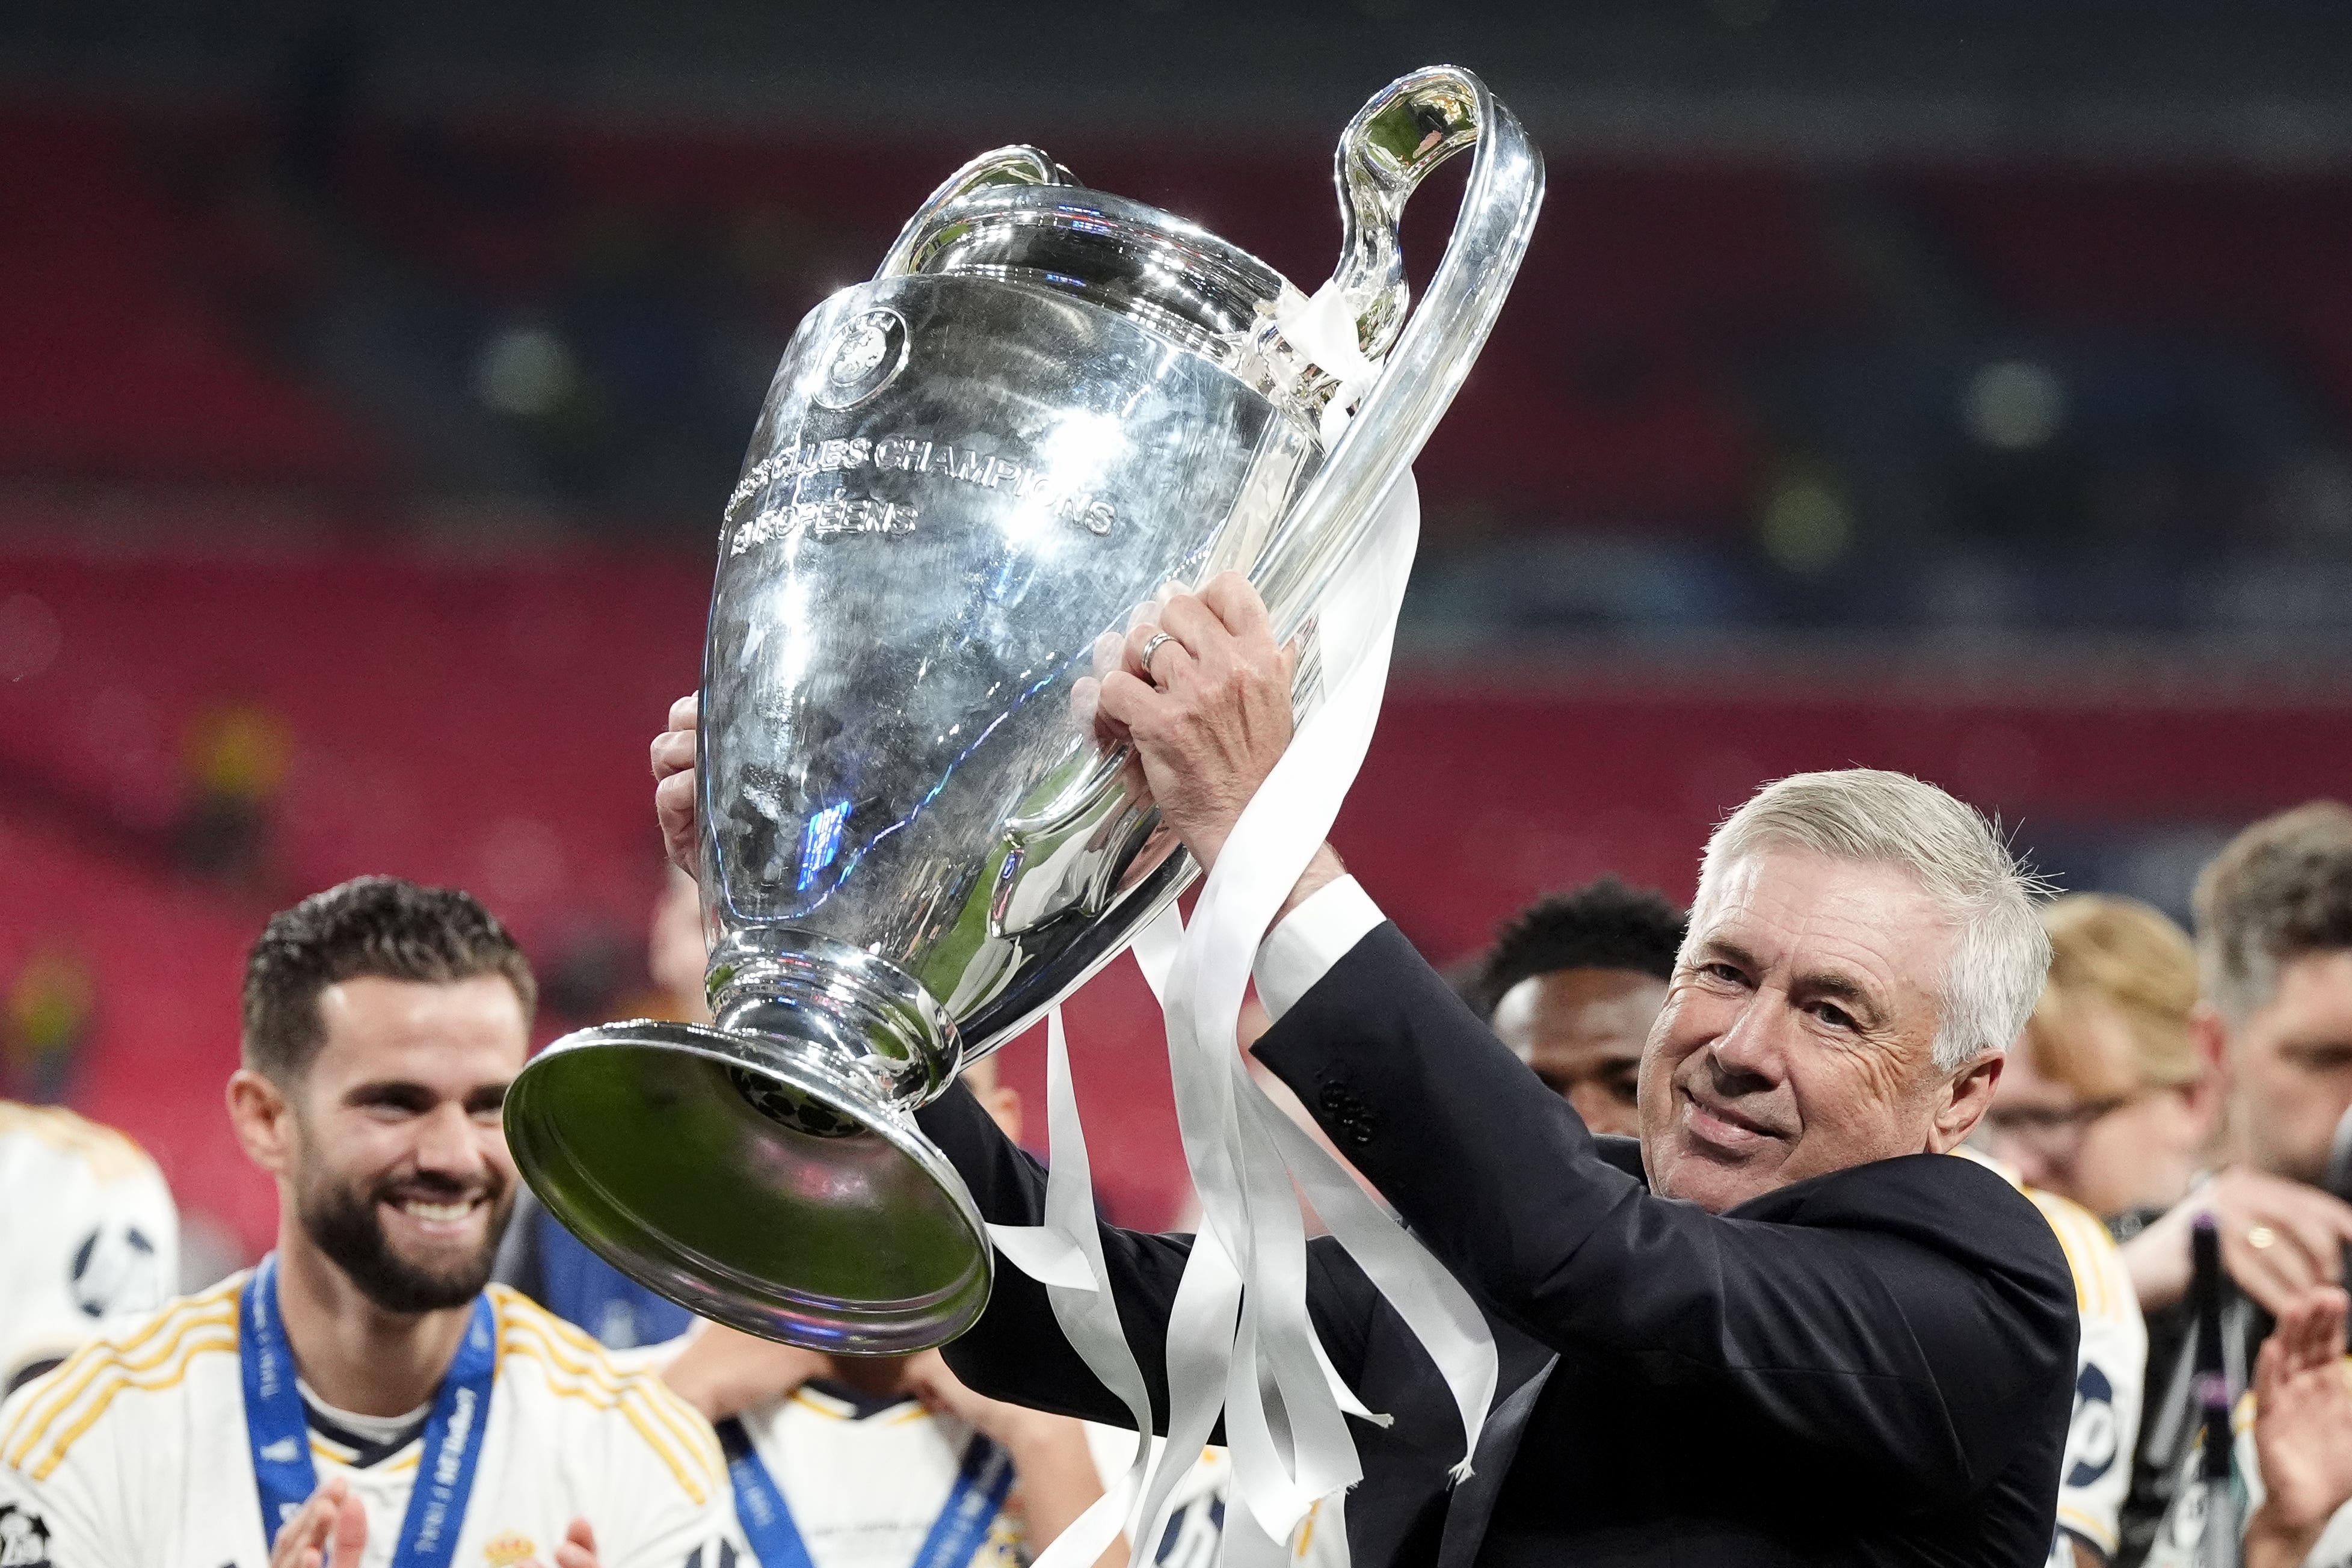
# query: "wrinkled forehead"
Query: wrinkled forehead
1788,904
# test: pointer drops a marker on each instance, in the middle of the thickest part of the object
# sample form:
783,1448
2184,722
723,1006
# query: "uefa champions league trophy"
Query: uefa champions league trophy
1048,403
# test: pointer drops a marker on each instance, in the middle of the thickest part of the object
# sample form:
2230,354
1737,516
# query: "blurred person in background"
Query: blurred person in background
1572,986
88,1234
2111,1099
556,1269
890,1461
2275,958
2108,1101
361,1399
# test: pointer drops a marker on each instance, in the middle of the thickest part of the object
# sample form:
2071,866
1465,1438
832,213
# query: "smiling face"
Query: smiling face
1799,1032
396,1164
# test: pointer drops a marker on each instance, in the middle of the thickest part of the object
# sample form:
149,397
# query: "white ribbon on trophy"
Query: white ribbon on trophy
1240,1341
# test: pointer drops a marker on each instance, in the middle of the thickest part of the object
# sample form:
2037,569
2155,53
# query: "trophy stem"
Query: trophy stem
857,1022
768,1173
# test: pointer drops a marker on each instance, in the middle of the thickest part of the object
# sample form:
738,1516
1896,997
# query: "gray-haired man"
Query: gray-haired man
1805,1338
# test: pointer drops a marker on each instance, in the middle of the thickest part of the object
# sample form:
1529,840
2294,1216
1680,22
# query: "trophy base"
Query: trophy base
746,1179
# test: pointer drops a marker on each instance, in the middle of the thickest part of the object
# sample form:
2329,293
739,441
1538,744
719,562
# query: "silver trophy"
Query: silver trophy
1048,403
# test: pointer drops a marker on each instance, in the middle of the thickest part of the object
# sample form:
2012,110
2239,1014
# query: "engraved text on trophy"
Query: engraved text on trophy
958,461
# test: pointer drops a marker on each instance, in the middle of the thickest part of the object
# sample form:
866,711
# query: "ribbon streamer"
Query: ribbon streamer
1240,1340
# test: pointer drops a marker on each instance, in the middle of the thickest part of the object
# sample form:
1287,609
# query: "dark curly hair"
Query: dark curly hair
378,925
2283,888
1603,925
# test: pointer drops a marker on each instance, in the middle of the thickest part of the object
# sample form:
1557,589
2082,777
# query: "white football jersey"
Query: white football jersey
866,1478
2110,1369
135,1454
1196,1511
88,1230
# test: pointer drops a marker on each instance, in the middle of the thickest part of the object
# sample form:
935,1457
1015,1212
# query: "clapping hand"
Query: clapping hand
328,1531
2302,1429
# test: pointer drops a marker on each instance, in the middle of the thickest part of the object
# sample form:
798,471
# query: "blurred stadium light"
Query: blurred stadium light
1969,393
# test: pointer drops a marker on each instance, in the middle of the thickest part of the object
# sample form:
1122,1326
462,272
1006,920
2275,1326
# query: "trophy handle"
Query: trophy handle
1407,130
1016,165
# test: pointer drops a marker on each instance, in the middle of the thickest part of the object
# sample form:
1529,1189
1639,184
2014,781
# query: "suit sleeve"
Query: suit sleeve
1016,1351
1904,1324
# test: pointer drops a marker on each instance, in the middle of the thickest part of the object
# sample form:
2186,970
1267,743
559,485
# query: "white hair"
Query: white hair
2001,953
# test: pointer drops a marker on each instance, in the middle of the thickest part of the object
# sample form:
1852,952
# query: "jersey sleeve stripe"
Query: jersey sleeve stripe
2071,1224
166,1376
685,1424
683,1418
44,1405
642,1393
697,1488
103,1356
2090,1288
2097,1248
95,1360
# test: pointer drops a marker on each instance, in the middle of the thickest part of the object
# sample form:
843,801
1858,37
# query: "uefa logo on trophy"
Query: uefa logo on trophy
1047,403
868,352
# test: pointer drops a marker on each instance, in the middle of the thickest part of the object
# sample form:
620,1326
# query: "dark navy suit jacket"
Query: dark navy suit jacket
1874,1367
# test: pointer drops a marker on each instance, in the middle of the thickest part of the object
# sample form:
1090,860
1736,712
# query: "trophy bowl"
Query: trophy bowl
1047,403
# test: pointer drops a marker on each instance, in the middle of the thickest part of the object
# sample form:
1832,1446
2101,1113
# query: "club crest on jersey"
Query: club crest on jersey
23,1538
507,1548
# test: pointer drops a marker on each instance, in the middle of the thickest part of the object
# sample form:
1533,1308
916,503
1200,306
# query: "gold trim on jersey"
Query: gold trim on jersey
824,1404
2080,1236
111,1155
671,1427
681,1416
833,1408
58,1390
2101,1534
412,1452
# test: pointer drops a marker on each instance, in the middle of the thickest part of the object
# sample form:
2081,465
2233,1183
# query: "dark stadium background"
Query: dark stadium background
1968,395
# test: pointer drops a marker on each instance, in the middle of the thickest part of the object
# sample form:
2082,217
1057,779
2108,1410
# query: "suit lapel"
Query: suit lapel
1473,1502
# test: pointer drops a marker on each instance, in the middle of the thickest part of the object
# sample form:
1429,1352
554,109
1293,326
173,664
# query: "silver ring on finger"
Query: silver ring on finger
1152,645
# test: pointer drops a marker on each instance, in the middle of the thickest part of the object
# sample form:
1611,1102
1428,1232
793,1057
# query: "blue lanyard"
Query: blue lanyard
280,1432
982,1484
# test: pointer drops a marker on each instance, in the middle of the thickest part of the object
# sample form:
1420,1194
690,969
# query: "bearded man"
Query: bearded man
360,1399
